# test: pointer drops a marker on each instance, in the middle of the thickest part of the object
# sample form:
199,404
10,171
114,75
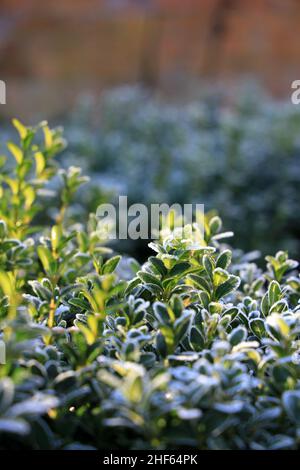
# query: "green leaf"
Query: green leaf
6,283
36,405
162,313
6,393
154,289
219,276
14,426
274,292
135,390
65,381
227,287
41,291
81,303
176,305
40,163
197,339
48,136
158,265
132,284
238,335
3,229
110,265
291,404
277,327
215,225
265,304
182,325
161,345
229,408
16,152
46,258
149,278
56,236
208,265
224,259
22,130
257,326
179,269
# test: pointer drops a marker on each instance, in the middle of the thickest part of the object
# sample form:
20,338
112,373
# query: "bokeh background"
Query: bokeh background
167,101
51,51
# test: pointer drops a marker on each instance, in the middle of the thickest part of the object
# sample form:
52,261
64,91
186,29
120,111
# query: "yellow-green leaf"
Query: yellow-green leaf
7,283
40,163
219,276
134,390
88,334
20,128
29,194
48,137
56,234
13,184
16,152
45,257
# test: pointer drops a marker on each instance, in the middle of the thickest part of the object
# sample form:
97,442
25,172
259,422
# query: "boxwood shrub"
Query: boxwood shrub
198,347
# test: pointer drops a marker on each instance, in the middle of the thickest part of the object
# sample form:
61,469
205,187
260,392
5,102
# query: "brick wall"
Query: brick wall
50,51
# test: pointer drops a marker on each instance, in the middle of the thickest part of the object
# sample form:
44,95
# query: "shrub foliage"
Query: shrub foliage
198,348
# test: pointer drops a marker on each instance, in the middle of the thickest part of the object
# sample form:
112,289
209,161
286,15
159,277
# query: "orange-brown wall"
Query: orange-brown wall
51,50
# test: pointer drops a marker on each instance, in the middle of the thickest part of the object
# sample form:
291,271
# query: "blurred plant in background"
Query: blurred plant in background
239,156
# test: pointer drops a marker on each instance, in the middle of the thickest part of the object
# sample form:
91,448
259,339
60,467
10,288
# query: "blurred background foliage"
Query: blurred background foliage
241,159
